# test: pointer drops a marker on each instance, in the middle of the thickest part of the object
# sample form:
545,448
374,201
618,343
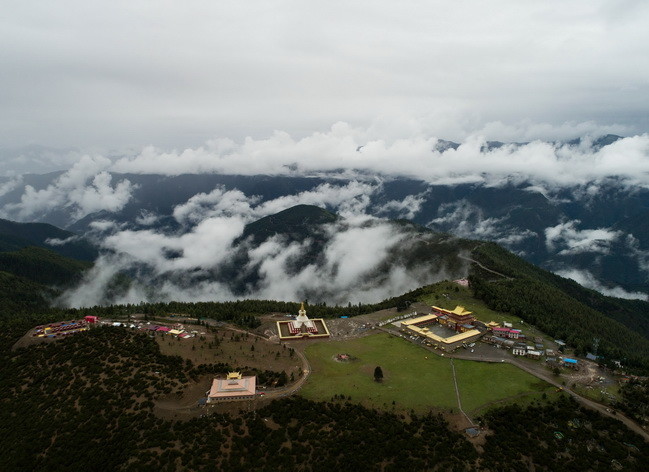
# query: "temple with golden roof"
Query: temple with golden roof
458,319
234,387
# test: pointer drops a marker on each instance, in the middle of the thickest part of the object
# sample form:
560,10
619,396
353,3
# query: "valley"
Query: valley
170,355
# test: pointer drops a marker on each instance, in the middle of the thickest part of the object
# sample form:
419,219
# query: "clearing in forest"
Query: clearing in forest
237,349
414,378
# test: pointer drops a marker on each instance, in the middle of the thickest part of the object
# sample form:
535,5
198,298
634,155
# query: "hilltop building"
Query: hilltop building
435,329
302,327
234,387
457,319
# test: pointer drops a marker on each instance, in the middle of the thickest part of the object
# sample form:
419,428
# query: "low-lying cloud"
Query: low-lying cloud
588,280
207,260
84,189
348,153
466,220
568,240
344,148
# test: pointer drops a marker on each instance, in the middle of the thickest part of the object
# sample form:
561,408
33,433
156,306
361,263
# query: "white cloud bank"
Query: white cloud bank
344,152
345,149
588,280
356,264
85,188
568,240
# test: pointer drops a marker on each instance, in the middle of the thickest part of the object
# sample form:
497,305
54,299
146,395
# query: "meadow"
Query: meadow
414,378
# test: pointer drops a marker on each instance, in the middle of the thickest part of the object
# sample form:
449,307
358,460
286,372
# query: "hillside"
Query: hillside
43,266
32,271
561,308
99,390
15,236
296,223
20,295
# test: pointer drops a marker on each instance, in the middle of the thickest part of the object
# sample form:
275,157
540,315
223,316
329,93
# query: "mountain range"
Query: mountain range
595,232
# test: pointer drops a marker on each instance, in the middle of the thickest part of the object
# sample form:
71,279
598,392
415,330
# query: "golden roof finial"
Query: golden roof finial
302,307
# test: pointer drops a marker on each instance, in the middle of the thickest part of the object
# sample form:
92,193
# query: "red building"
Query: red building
91,319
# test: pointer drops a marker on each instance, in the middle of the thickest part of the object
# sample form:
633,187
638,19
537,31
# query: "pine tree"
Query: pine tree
378,374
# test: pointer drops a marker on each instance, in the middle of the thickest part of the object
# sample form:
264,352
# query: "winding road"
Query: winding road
603,409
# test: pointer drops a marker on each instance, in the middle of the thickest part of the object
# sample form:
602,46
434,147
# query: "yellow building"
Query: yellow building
458,319
420,327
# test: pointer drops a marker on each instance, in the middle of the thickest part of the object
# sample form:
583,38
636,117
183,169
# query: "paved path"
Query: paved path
483,267
294,387
457,394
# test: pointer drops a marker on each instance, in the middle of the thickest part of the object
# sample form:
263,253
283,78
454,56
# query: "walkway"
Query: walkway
457,394
483,267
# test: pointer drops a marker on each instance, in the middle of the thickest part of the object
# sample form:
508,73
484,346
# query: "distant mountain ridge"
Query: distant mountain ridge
595,230
15,236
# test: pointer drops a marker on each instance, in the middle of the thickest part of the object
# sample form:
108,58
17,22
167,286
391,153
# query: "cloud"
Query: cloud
349,199
9,185
344,149
205,246
569,240
466,220
61,242
406,208
85,188
147,218
640,255
586,279
192,68
358,262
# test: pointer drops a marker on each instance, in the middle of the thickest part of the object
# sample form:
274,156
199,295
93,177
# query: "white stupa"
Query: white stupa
302,319
302,327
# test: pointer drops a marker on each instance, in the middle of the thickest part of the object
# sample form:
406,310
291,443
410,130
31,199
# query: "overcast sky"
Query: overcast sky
118,74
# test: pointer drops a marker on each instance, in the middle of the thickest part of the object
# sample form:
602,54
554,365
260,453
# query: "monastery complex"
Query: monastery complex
444,329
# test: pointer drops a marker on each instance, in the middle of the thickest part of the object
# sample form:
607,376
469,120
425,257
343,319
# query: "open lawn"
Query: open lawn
603,394
411,380
482,383
413,377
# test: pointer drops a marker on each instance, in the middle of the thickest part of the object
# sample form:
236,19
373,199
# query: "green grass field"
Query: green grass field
596,394
414,378
481,383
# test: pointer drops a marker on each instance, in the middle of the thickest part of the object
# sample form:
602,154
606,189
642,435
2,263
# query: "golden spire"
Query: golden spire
302,307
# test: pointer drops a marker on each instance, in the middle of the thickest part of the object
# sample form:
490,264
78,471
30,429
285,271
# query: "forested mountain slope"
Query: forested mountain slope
15,236
562,308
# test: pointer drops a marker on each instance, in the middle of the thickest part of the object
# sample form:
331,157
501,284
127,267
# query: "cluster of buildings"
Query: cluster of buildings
236,386
177,330
450,329
563,362
444,329
63,328
508,333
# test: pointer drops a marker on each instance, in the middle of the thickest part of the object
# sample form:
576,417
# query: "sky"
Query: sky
123,75
357,89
